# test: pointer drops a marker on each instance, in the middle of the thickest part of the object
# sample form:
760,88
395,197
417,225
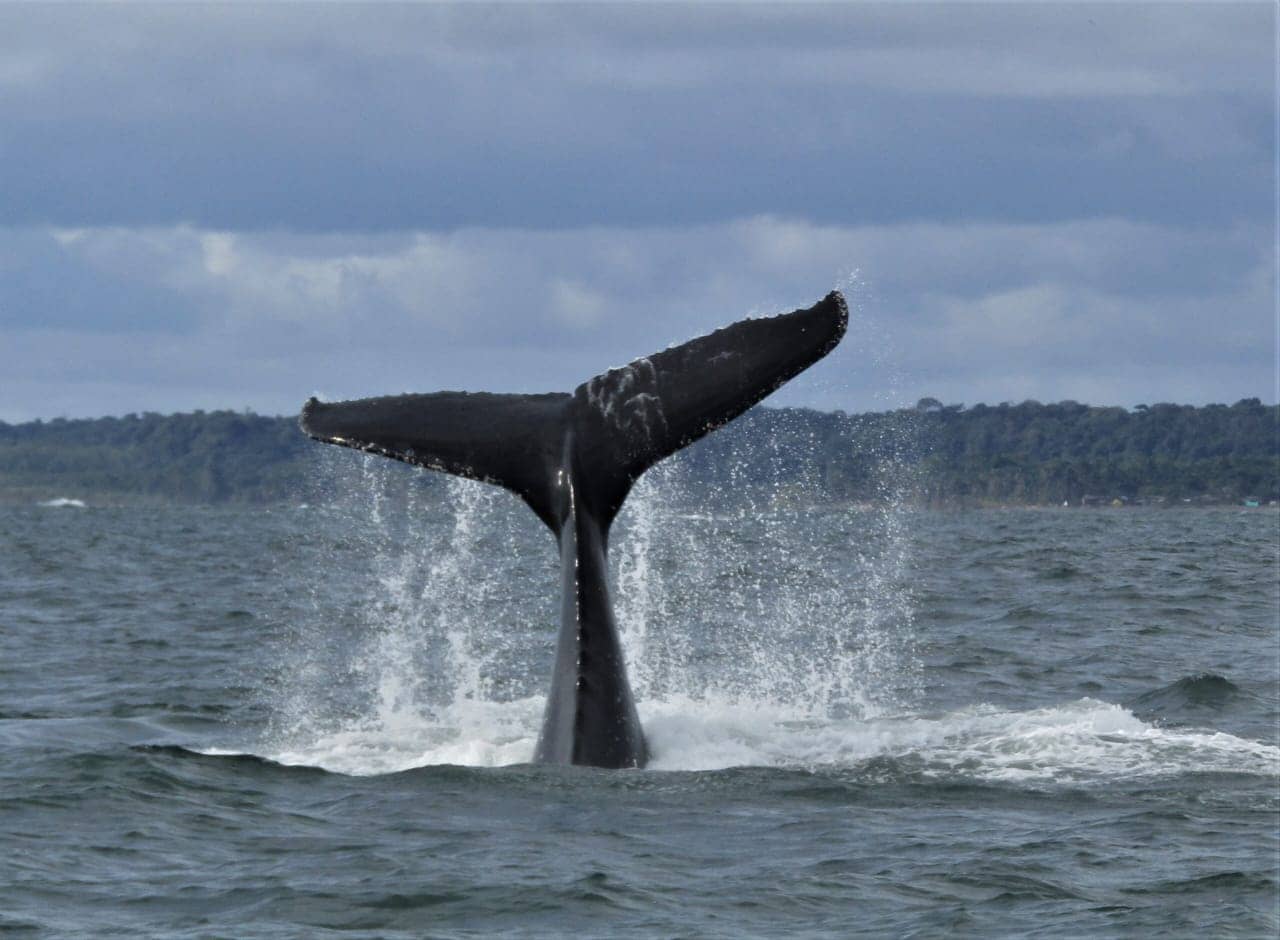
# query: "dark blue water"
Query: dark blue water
312,722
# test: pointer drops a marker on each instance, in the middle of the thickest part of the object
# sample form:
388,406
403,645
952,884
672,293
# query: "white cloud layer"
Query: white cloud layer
1106,311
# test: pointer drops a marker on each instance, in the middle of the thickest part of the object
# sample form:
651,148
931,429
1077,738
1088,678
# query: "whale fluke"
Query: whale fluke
573,458
623,421
509,440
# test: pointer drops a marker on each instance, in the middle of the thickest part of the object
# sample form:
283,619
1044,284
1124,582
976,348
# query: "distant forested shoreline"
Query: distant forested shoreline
931,454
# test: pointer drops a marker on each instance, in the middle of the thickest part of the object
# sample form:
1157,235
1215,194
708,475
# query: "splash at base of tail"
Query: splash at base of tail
573,458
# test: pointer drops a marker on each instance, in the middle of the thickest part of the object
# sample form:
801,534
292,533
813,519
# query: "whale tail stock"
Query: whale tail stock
604,434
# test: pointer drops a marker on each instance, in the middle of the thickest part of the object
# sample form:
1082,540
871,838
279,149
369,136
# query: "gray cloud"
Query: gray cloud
376,117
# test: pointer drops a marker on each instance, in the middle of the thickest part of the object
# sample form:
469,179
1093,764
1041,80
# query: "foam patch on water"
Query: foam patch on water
481,734
1081,741
64,502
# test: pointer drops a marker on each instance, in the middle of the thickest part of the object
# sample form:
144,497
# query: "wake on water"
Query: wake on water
797,663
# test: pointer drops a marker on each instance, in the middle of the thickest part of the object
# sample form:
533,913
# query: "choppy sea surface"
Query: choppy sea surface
317,721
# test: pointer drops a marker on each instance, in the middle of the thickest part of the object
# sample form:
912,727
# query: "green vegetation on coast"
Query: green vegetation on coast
1027,454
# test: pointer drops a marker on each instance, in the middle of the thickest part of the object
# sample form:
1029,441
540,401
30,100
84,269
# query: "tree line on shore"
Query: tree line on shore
934,454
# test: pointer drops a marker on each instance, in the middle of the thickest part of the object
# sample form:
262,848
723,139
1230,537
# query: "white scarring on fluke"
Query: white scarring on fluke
627,398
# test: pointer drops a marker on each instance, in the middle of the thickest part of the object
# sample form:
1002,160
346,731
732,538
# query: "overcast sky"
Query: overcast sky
240,206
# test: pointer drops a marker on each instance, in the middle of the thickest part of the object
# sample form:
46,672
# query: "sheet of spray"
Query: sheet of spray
431,626
428,599
784,603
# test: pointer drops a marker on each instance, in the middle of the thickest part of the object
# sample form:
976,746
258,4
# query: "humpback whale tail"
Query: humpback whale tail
573,457
613,426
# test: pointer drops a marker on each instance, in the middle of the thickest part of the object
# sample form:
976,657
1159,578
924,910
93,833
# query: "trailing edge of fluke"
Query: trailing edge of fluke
573,458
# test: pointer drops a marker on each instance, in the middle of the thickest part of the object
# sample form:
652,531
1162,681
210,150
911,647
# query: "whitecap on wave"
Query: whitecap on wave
63,502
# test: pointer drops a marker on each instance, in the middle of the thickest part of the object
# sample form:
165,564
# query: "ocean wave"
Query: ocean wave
63,502
1202,692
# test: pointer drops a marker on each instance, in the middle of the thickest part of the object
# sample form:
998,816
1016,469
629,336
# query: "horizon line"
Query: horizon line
926,405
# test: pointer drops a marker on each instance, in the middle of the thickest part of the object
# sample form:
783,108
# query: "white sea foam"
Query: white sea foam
63,502
477,734
1082,741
